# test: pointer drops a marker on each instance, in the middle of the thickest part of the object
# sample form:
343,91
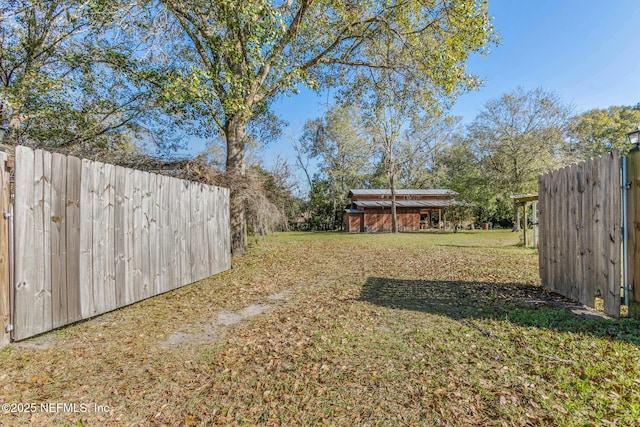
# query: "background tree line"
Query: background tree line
116,79
512,140
112,75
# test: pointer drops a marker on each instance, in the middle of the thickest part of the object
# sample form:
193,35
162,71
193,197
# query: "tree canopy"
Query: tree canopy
598,131
65,80
104,75
236,57
519,135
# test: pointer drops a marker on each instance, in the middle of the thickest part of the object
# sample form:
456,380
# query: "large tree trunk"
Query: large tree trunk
236,133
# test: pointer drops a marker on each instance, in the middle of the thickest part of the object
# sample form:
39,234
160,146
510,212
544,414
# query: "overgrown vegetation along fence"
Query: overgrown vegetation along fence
92,237
580,234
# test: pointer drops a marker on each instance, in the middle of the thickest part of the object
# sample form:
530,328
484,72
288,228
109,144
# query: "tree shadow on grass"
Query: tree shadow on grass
522,304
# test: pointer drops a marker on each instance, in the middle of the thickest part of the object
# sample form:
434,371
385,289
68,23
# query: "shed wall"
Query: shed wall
380,219
355,222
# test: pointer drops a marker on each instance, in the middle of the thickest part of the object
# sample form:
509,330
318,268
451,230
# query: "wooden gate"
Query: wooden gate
580,231
92,237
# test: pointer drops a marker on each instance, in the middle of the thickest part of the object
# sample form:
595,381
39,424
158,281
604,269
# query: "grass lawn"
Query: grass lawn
338,329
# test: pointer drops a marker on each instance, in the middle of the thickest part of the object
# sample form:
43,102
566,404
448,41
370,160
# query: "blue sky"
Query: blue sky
586,51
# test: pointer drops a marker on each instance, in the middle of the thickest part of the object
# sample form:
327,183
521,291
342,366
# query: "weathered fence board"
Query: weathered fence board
26,293
633,227
91,237
87,193
58,241
5,282
580,247
72,239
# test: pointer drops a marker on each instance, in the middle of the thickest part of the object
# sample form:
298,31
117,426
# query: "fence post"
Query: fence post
5,283
633,228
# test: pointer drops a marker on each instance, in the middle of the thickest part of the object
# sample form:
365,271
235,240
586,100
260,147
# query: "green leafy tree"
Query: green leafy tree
388,103
342,150
518,136
427,136
320,207
406,126
236,57
460,171
599,131
65,80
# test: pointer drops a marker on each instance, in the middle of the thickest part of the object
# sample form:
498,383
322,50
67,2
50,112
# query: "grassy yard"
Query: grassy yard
337,329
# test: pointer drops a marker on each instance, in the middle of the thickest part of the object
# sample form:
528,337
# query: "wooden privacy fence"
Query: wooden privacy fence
580,231
92,237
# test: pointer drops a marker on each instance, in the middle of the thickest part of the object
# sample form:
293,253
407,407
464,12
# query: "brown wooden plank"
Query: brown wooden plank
586,250
564,224
203,247
41,303
553,253
120,224
147,287
567,224
109,281
212,236
543,251
100,232
171,194
26,313
633,225
582,223
72,238
166,232
549,233
175,276
87,196
184,233
169,215
161,222
129,211
604,228
59,299
225,227
573,229
595,231
137,236
193,231
5,293
45,211
544,228
153,234
557,215
613,243
557,242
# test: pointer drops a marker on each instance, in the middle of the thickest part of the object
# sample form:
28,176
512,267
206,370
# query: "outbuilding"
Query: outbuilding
416,209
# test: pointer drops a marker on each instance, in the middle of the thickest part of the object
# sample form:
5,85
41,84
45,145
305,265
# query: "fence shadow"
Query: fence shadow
522,304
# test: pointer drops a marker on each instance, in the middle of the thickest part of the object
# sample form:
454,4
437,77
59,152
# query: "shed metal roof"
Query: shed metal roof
403,192
408,203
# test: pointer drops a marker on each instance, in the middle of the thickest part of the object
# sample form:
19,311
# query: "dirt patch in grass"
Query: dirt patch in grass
415,329
200,333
